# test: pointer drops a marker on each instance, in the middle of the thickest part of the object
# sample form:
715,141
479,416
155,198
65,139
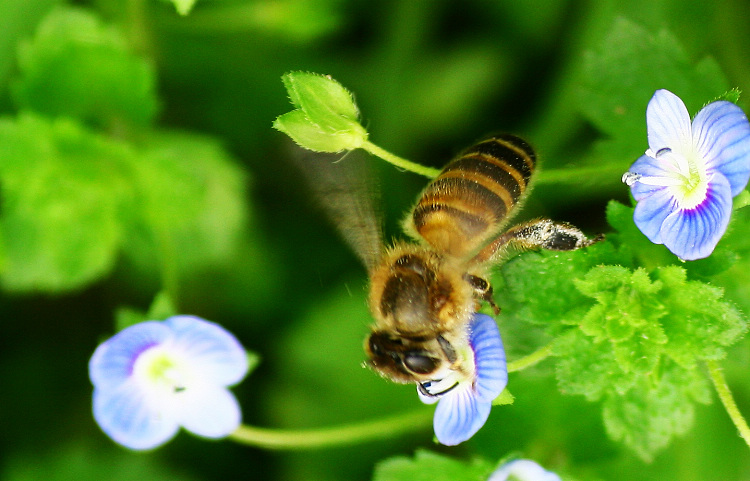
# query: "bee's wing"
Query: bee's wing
345,189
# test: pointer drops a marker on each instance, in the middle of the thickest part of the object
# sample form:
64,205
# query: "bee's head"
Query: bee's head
408,360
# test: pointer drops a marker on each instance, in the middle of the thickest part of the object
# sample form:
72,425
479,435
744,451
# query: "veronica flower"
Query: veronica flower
465,399
155,377
685,182
523,470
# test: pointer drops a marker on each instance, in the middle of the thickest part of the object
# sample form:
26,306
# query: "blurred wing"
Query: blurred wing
343,187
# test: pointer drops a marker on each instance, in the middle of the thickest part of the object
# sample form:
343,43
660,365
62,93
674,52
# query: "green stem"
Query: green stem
167,257
138,31
720,383
592,175
399,162
532,359
345,435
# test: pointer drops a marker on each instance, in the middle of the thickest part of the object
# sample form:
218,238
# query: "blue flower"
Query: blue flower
155,377
465,397
523,470
685,182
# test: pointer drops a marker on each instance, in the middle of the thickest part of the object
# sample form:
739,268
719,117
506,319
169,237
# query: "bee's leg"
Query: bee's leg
483,290
539,233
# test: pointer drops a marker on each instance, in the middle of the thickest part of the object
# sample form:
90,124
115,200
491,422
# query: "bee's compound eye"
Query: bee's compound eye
420,364
374,344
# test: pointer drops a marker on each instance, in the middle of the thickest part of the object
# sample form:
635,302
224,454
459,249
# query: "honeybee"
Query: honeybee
423,293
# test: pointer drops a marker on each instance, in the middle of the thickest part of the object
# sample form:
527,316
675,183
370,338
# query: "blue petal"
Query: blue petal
648,166
652,210
459,415
722,134
523,470
668,122
112,362
126,416
693,233
208,411
214,353
489,357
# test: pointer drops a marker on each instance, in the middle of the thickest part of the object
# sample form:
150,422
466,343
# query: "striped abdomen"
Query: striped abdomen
473,195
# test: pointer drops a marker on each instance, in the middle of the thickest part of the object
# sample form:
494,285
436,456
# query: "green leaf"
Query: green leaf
535,272
126,317
648,416
326,119
637,348
428,466
87,461
183,7
701,324
161,308
627,314
741,200
504,398
625,70
188,209
588,368
20,17
631,242
732,95
253,361
312,136
323,99
79,67
62,191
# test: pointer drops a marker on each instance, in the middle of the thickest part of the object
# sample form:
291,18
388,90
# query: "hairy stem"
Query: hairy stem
399,162
722,389
587,175
532,359
347,434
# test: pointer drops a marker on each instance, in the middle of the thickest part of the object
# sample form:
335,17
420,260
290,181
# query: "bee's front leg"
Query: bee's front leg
483,291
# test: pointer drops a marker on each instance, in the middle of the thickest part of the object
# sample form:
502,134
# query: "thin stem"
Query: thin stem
720,383
139,33
400,162
345,435
532,359
593,175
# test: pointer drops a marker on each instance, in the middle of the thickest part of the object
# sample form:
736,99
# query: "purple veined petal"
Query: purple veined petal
208,410
668,122
213,352
112,362
489,357
693,233
722,134
523,470
459,415
126,415
651,211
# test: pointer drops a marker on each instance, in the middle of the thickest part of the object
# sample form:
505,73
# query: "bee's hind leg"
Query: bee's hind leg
539,233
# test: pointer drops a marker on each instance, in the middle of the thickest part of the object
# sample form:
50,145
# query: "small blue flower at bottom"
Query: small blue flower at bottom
466,399
152,378
523,470
685,182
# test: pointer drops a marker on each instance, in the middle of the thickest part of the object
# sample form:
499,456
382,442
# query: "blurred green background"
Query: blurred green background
197,95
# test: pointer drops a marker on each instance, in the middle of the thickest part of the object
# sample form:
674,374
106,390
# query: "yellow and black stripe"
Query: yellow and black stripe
474,194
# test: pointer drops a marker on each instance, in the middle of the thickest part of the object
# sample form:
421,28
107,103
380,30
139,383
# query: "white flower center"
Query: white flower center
684,175
161,372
